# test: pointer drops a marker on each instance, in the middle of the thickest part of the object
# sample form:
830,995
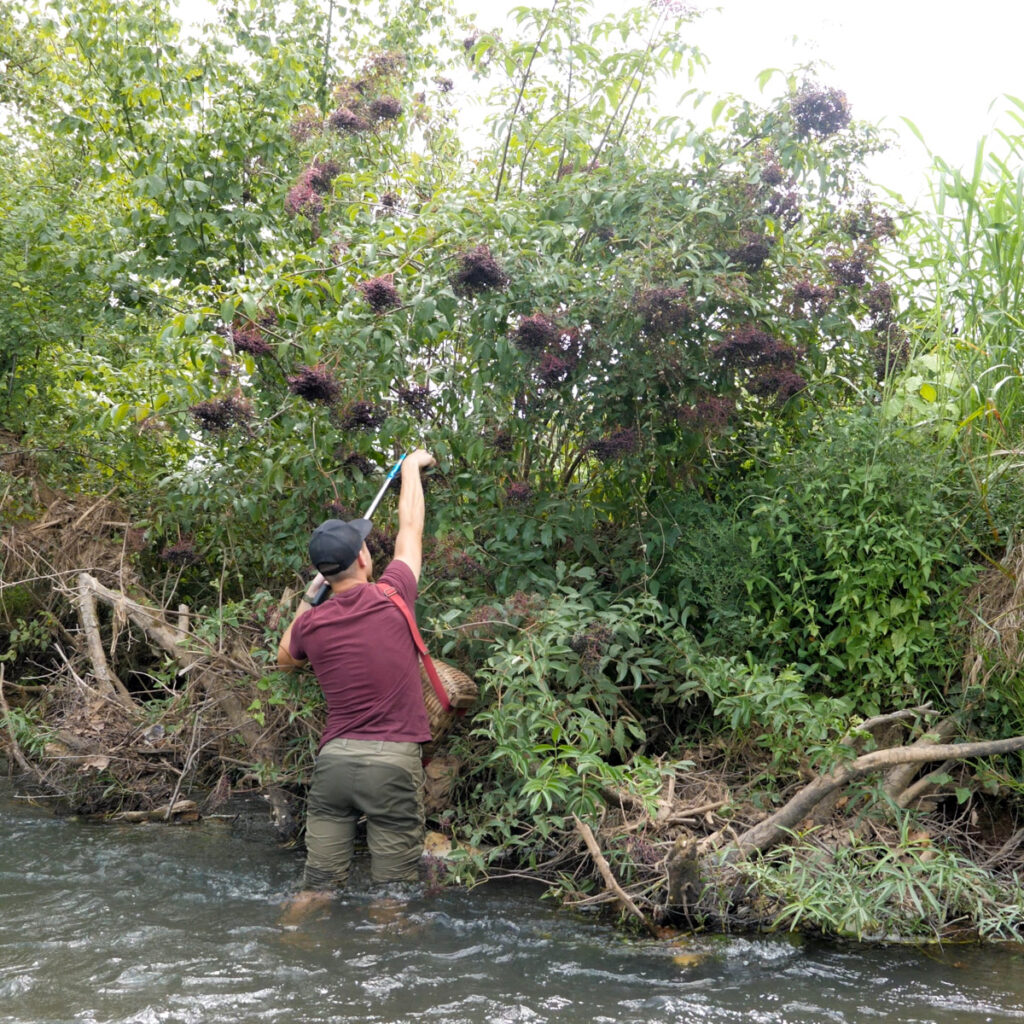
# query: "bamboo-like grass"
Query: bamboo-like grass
967,267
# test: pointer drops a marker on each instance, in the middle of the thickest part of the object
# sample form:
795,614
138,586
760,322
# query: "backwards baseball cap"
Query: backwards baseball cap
335,544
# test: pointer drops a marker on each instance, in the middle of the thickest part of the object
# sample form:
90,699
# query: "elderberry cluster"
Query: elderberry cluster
219,414
183,552
478,271
820,112
749,346
519,494
665,311
592,644
711,413
315,384
247,337
615,445
415,398
381,293
361,416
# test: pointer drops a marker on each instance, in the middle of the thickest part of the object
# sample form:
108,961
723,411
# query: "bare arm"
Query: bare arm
411,511
284,656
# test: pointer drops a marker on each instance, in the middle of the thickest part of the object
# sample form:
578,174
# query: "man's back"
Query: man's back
359,645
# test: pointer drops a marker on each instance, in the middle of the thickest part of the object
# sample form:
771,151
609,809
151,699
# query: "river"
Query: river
154,923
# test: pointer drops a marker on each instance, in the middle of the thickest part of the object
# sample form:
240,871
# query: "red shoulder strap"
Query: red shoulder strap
428,665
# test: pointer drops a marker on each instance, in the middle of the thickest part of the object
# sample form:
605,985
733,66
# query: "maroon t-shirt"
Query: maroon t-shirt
359,645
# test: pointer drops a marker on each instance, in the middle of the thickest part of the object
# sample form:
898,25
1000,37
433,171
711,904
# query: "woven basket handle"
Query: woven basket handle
428,664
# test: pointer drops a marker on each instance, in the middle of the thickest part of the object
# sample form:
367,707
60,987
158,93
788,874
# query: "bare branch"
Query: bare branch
609,879
767,833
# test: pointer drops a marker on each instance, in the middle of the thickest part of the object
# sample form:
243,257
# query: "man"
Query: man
360,646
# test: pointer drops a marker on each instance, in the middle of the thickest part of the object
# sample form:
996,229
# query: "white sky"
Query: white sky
938,63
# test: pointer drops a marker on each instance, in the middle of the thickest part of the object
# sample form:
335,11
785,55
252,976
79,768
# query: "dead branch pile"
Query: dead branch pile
683,853
135,708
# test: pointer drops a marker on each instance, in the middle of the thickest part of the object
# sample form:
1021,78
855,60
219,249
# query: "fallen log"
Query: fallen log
777,826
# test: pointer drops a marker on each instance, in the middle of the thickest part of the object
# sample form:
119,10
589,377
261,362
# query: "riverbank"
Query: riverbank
892,828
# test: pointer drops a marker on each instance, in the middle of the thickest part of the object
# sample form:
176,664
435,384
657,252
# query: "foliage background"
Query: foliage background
724,437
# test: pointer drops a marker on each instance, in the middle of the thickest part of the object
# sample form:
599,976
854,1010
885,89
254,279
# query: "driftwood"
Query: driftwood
694,837
205,667
186,810
106,680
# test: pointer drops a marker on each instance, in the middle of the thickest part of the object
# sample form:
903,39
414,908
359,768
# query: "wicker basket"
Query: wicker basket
461,690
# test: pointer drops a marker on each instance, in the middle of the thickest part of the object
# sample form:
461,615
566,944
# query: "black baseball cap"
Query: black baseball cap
335,544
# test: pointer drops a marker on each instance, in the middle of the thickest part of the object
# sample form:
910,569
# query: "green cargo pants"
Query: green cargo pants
382,780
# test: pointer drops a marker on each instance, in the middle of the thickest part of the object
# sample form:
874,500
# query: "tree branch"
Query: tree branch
609,879
767,833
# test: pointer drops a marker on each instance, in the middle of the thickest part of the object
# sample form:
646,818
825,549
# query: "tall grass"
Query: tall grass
965,271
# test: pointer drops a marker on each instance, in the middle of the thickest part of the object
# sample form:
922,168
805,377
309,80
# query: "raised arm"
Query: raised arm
411,510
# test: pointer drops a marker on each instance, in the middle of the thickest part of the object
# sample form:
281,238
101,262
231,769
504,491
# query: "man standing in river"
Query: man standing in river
359,644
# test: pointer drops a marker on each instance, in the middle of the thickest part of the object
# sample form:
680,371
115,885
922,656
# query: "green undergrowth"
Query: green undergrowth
907,889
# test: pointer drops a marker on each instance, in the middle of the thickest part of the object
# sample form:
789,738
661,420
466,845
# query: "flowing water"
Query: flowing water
154,923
